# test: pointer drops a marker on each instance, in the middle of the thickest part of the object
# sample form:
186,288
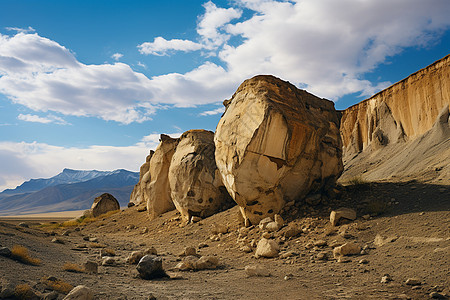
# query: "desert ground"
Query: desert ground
402,227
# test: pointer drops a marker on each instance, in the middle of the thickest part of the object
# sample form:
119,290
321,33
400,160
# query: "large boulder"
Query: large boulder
195,184
103,204
137,196
274,144
156,180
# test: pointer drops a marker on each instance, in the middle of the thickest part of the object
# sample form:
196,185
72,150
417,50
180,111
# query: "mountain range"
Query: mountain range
69,190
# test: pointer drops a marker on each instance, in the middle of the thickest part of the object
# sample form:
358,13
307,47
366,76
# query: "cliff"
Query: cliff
402,112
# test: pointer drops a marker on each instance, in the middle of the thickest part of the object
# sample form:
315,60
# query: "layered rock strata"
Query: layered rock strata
276,143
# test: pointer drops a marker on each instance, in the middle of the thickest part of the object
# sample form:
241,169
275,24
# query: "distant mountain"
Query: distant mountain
69,190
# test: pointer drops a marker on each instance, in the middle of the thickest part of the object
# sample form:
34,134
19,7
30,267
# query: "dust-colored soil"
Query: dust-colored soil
415,216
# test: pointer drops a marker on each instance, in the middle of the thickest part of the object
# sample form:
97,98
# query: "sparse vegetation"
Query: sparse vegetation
358,183
97,245
21,254
23,291
377,207
83,220
71,267
57,284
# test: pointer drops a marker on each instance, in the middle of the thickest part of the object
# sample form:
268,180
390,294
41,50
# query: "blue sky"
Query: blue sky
92,84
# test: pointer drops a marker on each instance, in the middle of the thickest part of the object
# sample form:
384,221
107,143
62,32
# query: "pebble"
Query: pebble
413,281
436,295
386,278
363,261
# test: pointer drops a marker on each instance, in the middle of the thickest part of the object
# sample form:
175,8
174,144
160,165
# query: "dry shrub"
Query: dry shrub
105,215
56,284
377,207
20,253
71,267
24,291
71,223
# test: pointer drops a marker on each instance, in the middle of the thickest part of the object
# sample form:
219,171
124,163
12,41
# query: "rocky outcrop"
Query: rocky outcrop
276,143
404,111
156,192
136,196
103,204
195,184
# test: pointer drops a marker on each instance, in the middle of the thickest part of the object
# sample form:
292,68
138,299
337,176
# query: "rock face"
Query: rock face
157,190
195,184
276,143
405,110
103,204
137,196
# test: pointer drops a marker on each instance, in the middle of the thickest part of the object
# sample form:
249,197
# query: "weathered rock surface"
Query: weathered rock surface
349,248
195,184
103,204
157,190
137,196
342,213
80,292
267,248
150,267
276,143
256,271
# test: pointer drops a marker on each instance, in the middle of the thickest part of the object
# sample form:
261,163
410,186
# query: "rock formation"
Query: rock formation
276,143
403,111
156,192
144,177
103,204
195,185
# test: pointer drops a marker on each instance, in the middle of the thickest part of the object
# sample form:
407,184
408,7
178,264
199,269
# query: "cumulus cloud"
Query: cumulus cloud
24,30
160,46
43,120
23,161
117,56
213,112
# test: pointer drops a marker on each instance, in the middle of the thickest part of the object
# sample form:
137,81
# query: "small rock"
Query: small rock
144,230
349,248
66,233
386,278
413,281
93,239
380,241
108,261
142,208
267,248
263,223
322,256
272,226
320,243
219,228
57,240
202,245
4,251
134,257
246,249
256,271
279,220
80,292
436,295
342,213
188,251
195,219
206,262
150,267
366,217
288,254
313,199
91,267
363,261
23,224
130,204
291,231
53,295
266,235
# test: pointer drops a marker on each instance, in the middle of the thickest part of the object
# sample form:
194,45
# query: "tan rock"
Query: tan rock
342,213
157,189
349,248
206,262
274,144
279,220
256,271
267,248
136,196
272,226
103,204
219,228
195,184
263,223
80,292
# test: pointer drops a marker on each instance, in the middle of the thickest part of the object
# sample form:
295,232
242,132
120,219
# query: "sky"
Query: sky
91,84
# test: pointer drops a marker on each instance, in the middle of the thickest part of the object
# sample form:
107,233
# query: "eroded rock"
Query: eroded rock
342,213
267,248
103,204
274,144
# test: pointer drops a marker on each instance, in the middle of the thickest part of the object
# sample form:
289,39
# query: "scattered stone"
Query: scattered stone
436,295
103,204
380,241
363,261
144,230
266,235
206,262
53,295
93,239
142,208
150,267
66,233
343,260
23,224
292,231
90,267
57,240
322,256
4,251
188,251
288,277
195,219
256,271
219,228
272,226
246,249
313,199
279,220
136,256
349,248
320,243
386,278
342,213
413,281
267,248
288,254
108,261
80,292
366,217
263,223
202,245
130,204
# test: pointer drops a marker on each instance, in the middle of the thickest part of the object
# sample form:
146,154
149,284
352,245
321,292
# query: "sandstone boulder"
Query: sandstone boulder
157,189
103,204
137,196
349,248
267,248
195,184
274,144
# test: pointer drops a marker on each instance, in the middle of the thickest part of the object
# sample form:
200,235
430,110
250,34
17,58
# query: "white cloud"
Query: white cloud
117,56
23,30
43,120
216,111
160,46
23,161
